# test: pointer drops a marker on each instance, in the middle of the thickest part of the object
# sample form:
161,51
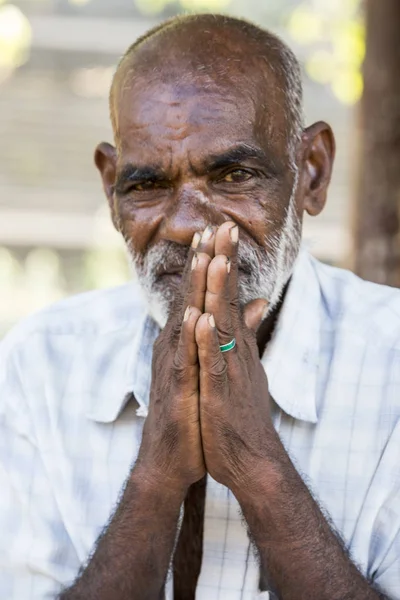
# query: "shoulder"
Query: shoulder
95,312
79,328
362,308
359,357
70,348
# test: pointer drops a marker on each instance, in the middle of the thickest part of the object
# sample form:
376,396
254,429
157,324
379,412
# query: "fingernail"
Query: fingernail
207,233
228,264
265,311
211,321
195,260
187,314
234,234
196,239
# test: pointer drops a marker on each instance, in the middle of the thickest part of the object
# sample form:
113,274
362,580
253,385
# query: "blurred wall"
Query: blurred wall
55,235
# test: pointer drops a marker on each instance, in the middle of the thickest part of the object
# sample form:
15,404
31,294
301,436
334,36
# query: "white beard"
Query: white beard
267,269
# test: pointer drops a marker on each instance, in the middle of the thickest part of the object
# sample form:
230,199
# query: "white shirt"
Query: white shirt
68,436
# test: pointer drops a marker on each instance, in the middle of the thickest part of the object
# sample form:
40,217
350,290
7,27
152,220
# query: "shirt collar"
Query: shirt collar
126,370
290,359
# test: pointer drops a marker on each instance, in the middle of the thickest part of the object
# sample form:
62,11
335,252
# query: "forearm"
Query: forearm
133,554
300,555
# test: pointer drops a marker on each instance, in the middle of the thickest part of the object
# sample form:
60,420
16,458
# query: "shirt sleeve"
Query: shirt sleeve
384,547
385,541
37,557
387,579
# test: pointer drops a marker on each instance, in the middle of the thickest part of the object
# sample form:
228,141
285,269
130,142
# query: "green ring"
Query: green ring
229,346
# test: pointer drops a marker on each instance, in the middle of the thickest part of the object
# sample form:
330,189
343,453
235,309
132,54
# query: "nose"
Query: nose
190,211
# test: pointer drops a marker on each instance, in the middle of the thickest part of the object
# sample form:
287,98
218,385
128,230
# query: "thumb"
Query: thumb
254,313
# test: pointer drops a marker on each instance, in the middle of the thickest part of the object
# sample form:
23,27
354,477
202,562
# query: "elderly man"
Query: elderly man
287,487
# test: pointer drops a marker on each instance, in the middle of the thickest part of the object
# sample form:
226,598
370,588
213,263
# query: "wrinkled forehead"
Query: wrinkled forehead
180,107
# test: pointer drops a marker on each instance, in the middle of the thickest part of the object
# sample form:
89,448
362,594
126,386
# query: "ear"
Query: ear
105,158
318,144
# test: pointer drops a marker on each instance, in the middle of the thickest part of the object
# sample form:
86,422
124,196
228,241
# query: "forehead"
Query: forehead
201,116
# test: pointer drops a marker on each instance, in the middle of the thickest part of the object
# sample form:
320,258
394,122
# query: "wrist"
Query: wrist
258,482
265,476
156,484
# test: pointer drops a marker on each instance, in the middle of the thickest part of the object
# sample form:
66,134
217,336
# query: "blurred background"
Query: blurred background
57,58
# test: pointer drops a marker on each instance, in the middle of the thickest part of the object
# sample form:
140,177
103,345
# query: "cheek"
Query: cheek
260,217
274,206
139,226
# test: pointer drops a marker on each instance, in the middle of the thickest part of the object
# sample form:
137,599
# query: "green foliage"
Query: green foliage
334,35
15,37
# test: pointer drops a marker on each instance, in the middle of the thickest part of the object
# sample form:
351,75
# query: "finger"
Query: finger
202,251
217,298
213,366
192,280
226,242
254,313
207,241
186,352
223,241
195,295
188,267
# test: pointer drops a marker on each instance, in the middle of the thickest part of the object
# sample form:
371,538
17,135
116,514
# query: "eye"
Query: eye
236,176
144,186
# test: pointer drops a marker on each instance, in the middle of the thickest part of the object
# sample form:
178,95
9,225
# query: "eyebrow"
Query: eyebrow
236,155
134,174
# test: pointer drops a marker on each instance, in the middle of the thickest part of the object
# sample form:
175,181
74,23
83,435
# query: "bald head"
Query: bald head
216,52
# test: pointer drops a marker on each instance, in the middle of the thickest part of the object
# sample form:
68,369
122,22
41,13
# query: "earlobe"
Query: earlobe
105,158
317,163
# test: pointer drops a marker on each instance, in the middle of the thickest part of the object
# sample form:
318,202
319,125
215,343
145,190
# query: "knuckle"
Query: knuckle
218,305
235,305
177,363
250,336
217,368
181,371
225,329
250,346
175,332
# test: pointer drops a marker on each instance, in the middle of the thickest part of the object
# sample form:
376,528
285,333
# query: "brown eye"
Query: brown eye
236,176
145,186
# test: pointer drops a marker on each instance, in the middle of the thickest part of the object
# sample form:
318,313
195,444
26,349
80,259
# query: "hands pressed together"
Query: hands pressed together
209,410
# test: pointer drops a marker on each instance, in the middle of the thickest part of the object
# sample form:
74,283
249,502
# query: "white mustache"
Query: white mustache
167,256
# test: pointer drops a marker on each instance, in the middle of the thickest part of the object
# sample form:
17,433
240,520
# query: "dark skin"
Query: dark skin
187,160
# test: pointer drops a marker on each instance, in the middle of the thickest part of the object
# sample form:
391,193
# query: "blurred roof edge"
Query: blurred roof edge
77,34
108,36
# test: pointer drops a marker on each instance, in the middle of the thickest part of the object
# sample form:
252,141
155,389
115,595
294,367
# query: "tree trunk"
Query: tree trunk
377,224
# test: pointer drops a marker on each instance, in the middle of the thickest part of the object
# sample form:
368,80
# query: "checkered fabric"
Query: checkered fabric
69,435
